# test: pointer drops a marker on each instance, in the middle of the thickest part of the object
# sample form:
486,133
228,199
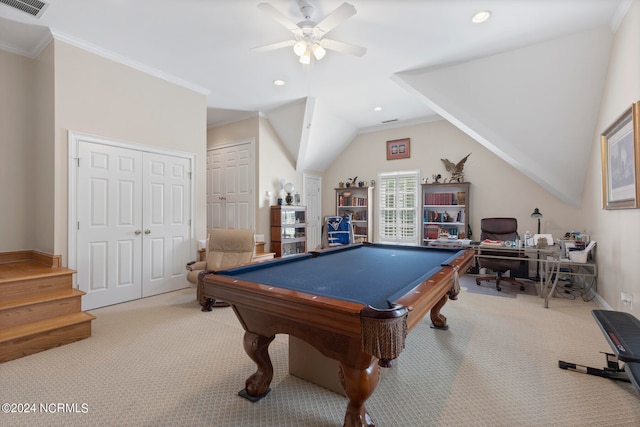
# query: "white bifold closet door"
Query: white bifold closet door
133,212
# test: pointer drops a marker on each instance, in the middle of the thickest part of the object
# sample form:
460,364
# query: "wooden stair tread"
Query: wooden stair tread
40,298
41,326
25,270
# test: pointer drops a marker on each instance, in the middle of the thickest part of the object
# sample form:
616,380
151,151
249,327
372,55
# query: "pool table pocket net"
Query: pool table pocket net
383,333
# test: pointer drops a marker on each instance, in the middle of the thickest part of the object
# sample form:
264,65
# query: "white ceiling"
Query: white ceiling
205,45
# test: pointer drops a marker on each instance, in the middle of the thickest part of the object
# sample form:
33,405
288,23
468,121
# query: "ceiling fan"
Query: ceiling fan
309,36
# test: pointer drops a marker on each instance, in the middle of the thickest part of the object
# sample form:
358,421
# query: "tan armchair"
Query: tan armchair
225,248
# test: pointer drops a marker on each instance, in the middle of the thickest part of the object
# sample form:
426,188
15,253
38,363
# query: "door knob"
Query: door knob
147,231
137,232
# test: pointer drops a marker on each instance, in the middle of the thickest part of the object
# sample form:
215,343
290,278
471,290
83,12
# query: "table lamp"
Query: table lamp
537,214
289,188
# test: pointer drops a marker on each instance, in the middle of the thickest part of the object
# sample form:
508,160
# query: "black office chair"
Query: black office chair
503,229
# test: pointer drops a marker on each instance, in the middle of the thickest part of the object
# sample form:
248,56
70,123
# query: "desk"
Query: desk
354,304
552,262
530,254
552,270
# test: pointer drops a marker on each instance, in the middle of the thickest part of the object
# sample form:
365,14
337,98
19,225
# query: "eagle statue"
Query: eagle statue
455,169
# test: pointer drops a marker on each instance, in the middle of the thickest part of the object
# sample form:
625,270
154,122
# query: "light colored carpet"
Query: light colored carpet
161,361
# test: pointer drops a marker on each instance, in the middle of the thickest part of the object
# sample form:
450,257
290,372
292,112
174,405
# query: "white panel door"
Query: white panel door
238,187
229,187
166,222
313,201
109,213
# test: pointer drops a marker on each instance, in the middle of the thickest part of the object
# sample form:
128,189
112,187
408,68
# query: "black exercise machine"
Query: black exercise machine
622,331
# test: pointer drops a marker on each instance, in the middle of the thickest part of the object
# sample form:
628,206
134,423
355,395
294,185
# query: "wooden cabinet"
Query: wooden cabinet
445,210
357,201
288,230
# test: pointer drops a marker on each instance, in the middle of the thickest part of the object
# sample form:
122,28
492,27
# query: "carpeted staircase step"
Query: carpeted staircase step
33,308
22,340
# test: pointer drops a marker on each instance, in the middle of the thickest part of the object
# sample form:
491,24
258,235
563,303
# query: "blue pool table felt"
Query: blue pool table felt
373,275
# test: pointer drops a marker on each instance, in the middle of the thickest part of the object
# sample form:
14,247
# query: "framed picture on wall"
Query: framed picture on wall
399,149
621,161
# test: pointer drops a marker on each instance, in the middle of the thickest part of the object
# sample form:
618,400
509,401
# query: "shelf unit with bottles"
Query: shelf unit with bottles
358,202
288,230
445,211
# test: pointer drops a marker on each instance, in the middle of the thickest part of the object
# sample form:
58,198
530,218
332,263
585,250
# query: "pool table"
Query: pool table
354,304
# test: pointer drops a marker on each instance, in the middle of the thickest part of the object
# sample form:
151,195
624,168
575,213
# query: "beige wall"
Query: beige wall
497,189
17,138
43,171
67,88
233,132
101,97
617,231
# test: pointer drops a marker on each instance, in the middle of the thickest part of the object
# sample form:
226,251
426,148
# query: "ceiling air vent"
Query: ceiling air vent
384,121
32,7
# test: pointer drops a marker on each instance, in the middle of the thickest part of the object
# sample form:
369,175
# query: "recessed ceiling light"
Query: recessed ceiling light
377,109
481,16
278,82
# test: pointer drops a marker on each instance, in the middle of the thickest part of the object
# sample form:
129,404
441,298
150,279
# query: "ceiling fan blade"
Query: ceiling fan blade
351,49
273,46
335,18
279,17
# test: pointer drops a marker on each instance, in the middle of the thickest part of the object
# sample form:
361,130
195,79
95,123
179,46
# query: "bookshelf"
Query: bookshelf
445,210
288,230
357,201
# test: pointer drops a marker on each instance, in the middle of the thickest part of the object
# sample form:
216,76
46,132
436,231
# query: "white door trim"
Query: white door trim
74,139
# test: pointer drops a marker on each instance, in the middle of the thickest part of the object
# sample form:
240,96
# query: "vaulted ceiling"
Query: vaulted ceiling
526,83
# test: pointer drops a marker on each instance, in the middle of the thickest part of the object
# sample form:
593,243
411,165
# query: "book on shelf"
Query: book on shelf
434,233
431,233
458,198
352,201
360,230
359,215
443,216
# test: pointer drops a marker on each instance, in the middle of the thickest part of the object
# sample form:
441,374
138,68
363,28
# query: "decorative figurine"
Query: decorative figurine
436,178
455,169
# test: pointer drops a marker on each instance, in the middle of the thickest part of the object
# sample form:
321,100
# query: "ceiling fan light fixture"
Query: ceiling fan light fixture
318,51
305,58
300,47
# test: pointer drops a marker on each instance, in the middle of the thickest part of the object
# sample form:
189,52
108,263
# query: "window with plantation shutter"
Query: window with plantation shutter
398,208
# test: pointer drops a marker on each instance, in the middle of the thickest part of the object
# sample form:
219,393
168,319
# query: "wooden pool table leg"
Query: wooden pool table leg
359,384
257,347
438,320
